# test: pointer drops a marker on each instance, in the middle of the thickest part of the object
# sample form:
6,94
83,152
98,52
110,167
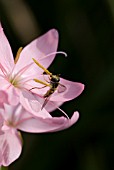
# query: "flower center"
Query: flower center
15,82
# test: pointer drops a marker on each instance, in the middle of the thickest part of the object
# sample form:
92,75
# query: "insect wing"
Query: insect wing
45,102
61,88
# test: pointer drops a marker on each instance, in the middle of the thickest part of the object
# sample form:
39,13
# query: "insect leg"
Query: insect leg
37,88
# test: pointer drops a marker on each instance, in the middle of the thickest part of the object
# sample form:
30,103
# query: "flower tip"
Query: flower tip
54,33
1,29
81,87
74,117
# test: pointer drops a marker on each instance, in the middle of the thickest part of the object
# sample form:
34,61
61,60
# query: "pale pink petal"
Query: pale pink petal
10,147
40,125
6,56
4,84
1,122
38,49
3,98
31,104
9,112
13,97
73,90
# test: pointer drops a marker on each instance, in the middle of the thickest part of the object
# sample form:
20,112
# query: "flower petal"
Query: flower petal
40,125
38,49
1,121
13,97
73,90
31,103
10,147
6,56
3,98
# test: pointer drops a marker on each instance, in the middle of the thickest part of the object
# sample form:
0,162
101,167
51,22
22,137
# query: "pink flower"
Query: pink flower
14,77
21,108
14,118
17,78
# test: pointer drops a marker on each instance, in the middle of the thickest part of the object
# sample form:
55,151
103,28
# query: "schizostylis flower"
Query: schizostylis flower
16,118
15,74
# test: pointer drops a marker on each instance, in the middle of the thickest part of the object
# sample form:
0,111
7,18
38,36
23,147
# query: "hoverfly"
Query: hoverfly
54,83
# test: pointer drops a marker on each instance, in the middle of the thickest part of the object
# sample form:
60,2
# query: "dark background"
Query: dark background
86,29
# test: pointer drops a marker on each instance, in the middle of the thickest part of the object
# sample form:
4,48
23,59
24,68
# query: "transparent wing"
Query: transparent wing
61,88
45,102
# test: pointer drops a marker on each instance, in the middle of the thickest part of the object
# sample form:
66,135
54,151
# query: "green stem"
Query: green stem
3,168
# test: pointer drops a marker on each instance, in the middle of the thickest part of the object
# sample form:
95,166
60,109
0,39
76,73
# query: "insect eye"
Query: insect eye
54,79
58,79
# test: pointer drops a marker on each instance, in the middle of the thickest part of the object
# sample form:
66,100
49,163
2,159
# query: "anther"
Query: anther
18,54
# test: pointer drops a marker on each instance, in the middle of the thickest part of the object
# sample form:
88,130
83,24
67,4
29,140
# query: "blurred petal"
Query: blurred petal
6,56
10,147
1,122
3,98
38,49
40,125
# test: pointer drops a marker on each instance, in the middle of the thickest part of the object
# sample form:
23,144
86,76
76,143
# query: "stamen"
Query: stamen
60,109
58,52
18,54
50,54
42,67
21,72
63,112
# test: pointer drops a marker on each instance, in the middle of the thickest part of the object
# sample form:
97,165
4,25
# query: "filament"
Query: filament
21,72
50,54
60,109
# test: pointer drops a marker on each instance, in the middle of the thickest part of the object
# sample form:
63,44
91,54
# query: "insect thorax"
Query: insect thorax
54,81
